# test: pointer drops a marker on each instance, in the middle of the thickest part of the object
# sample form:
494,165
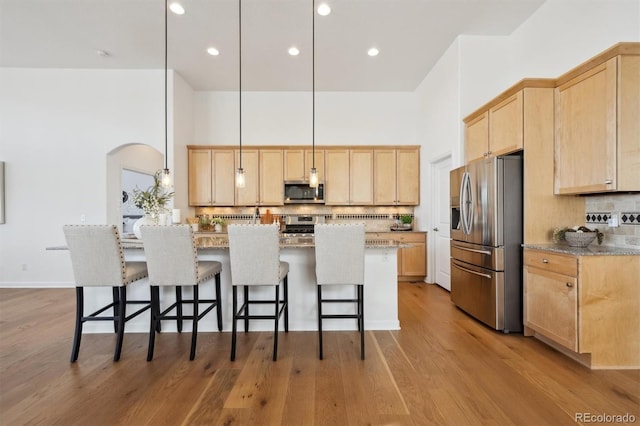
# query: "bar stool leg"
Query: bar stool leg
116,301
277,318
361,318
286,303
155,308
218,303
320,320
121,316
246,309
78,332
234,324
194,332
179,308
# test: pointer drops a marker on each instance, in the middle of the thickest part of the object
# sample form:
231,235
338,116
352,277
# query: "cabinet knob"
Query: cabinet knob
569,284
608,182
545,261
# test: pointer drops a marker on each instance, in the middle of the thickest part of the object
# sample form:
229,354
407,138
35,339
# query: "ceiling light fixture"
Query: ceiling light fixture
294,51
313,174
324,9
240,177
176,8
213,51
166,175
373,52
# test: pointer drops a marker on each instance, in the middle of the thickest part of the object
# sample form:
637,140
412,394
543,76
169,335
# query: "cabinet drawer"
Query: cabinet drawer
565,265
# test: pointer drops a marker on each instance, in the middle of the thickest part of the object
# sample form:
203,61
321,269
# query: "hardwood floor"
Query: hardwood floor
443,367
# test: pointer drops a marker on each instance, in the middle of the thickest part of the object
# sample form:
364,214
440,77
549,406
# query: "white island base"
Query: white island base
380,295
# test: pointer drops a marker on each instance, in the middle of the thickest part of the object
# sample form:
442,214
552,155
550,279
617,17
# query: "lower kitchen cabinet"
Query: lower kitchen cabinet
586,304
412,260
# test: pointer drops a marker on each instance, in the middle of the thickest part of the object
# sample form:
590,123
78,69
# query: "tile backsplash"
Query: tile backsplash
600,209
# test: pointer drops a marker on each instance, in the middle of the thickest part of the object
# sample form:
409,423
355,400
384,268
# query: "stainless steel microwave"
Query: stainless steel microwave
299,192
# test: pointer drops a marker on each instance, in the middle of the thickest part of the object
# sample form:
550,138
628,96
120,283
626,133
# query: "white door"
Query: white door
440,214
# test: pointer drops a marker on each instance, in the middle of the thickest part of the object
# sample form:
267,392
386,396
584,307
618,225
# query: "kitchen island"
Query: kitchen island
381,288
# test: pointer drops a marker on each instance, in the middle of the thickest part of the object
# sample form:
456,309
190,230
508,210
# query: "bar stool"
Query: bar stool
255,261
172,260
98,261
340,261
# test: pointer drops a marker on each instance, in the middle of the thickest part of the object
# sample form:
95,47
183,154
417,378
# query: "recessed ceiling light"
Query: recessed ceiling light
213,51
373,52
293,51
324,9
176,8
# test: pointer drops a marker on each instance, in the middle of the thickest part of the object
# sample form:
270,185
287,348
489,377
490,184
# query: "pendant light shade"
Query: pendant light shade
240,177
166,175
313,174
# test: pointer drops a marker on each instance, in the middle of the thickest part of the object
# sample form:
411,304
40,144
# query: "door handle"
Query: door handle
472,272
436,229
472,250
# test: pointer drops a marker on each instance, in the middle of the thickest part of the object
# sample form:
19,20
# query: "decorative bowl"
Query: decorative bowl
580,239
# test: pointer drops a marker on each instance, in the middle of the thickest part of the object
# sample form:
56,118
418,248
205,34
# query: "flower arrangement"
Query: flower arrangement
560,234
154,199
218,221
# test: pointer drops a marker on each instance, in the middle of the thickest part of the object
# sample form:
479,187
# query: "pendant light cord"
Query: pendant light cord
166,160
240,72
313,83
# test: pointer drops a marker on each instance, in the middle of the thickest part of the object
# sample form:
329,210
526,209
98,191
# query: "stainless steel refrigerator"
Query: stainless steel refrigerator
486,239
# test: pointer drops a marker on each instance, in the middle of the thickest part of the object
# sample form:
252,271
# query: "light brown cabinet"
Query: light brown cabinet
211,177
597,134
263,170
271,178
298,163
349,176
397,176
496,131
588,304
412,260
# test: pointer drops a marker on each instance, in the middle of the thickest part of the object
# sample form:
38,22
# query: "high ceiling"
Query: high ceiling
411,36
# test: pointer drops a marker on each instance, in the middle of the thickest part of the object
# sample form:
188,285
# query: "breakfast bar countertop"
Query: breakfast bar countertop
222,242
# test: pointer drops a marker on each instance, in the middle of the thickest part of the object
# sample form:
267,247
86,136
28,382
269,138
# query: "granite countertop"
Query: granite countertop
222,242
591,250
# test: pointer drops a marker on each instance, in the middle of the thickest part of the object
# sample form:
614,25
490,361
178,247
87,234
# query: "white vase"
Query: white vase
217,227
144,220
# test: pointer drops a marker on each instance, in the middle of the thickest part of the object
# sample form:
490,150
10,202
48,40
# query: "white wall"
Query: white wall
56,128
284,118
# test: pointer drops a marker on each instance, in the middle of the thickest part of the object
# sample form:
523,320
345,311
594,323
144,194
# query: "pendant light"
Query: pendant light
313,174
240,177
166,175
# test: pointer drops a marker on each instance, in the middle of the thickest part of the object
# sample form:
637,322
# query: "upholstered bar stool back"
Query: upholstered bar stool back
98,261
254,252
172,260
340,261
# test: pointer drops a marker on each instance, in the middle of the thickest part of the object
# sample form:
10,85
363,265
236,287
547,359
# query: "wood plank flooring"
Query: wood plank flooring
443,367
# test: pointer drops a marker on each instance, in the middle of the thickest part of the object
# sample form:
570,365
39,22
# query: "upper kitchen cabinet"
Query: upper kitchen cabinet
271,177
249,195
497,128
597,134
263,169
349,176
476,136
211,177
298,163
397,176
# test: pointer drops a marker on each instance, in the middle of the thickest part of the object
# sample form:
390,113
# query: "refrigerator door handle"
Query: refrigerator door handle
473,250
470,271
466,203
